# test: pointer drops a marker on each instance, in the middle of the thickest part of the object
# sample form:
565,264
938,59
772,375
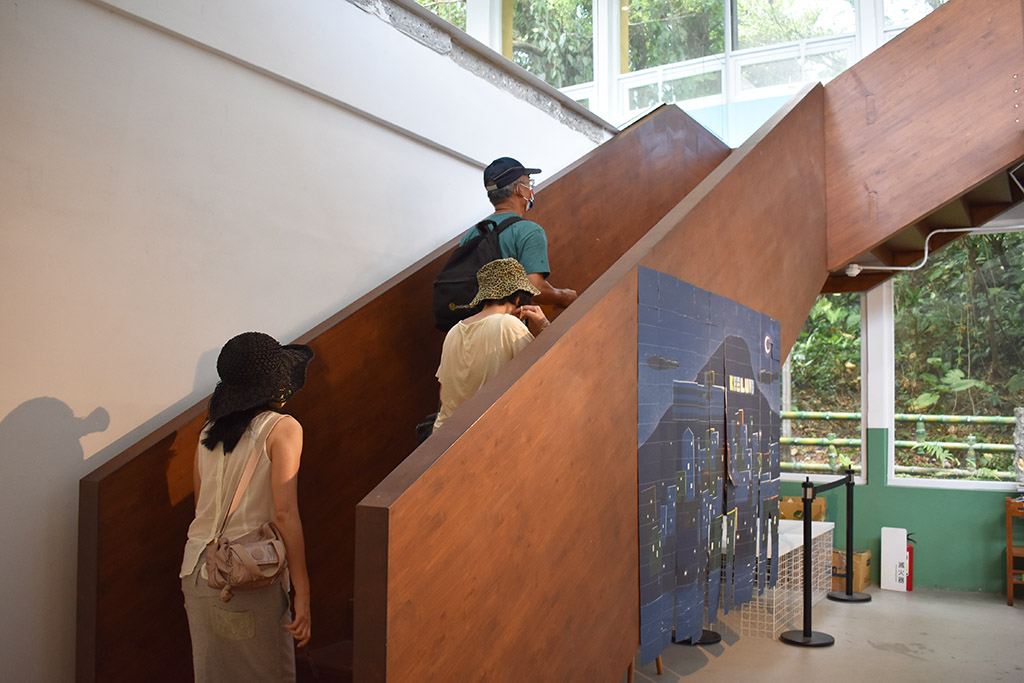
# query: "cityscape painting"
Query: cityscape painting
707,457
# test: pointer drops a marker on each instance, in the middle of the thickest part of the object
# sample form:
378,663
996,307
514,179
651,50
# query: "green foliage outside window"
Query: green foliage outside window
960,329
554,40
825,360
692,87
452,11
960,346
959,350
825,377
770,22
669,31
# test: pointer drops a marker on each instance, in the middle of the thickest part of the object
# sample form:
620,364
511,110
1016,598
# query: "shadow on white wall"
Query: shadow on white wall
40,457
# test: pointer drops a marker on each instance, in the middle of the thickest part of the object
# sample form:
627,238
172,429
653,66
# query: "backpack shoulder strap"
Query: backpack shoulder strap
483,227
506,223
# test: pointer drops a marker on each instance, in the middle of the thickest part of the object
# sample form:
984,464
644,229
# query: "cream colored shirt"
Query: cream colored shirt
219,476
472,354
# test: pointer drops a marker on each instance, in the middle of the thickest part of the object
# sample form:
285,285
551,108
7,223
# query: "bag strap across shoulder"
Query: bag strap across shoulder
484,227
250,466
481,226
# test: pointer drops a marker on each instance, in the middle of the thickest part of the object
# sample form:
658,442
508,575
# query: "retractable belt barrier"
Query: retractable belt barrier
807,637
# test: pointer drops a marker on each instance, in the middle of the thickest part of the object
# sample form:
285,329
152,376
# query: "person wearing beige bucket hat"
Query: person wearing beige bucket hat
477,347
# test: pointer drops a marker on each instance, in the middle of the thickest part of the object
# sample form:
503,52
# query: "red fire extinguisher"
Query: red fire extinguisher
910,562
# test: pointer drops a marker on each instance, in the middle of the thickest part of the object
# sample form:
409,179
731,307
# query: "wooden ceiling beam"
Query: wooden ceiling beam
902,259
838,283
944,238
884,254
983,213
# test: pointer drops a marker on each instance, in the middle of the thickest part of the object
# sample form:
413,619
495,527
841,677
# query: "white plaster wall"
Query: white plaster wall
158,197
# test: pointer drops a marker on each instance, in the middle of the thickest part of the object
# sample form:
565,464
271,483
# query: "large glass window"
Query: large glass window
729,63
452,11
959,353
823,433
771,22
794,70
554,40
674,85
903,13
669,31
692,87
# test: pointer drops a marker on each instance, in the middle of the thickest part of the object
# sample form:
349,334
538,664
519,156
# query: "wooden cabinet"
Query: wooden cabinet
1014,553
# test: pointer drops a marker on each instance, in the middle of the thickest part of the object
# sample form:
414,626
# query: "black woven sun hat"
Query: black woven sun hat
256,370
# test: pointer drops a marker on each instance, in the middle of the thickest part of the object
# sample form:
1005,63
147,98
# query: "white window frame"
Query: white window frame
881,400
861,478
608,92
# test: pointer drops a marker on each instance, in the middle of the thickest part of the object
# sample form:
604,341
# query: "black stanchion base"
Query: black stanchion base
816,639
706,638
841,596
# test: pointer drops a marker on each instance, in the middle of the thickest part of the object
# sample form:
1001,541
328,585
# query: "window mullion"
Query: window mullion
878,371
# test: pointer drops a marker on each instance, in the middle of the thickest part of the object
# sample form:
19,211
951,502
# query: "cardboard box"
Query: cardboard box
861,570
792,507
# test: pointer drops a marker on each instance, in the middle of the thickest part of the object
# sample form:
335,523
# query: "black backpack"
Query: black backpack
456,284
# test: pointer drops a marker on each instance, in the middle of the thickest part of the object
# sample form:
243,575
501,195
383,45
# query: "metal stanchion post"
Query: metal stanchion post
807,637
849,595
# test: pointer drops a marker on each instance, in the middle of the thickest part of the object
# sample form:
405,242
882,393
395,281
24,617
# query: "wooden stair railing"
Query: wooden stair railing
505,547
372,380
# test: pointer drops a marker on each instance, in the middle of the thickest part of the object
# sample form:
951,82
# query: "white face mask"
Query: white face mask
530,199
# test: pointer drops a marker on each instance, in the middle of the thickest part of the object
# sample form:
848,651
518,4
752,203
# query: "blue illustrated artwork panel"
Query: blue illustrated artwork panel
707,457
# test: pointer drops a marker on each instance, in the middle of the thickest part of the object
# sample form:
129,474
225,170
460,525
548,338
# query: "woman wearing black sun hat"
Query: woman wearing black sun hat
251,636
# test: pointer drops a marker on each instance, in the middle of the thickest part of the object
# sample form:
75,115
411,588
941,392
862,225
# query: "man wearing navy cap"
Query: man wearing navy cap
510,189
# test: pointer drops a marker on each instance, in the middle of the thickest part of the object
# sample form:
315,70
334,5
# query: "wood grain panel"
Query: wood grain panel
837,284
933,114
754,230
519,545
132,524
598,214
489,522
372,380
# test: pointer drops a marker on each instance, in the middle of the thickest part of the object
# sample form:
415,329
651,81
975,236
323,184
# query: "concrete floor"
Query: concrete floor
925,635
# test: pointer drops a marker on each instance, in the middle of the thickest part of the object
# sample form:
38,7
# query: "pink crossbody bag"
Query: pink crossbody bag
253,560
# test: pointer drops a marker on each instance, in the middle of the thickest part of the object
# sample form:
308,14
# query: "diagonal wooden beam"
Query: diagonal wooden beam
904,132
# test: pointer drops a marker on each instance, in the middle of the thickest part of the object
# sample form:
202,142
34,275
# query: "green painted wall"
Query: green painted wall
961,535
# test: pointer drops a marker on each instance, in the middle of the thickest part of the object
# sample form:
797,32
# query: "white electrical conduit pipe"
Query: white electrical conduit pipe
855,269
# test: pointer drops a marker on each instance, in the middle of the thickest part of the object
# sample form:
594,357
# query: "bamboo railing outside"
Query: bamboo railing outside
971,445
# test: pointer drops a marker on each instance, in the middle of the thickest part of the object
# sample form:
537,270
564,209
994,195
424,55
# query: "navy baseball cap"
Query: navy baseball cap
505,171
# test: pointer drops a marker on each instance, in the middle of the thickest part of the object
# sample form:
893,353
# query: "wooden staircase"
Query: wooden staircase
372,380
526,559
509,537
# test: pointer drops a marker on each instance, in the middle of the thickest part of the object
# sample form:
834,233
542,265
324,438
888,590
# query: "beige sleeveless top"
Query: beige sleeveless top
219,476
472,354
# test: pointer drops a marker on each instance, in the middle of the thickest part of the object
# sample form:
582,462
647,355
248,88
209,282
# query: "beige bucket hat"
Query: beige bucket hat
499,279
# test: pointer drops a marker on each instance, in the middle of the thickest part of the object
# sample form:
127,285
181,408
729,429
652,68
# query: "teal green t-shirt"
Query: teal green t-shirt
524,240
